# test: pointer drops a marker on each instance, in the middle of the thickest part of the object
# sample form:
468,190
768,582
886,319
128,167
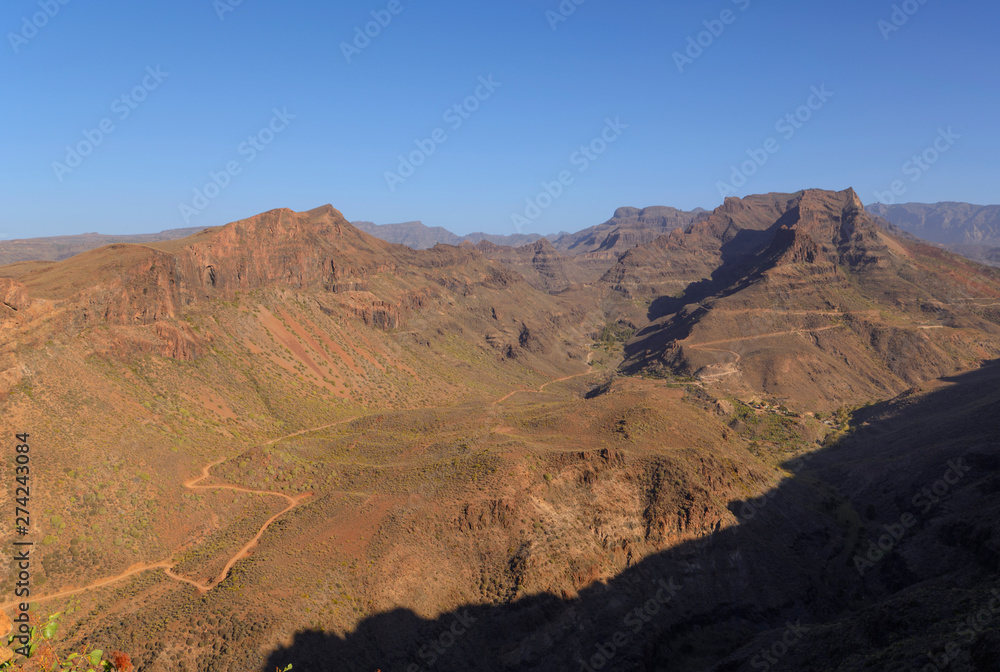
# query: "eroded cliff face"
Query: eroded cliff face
545,267
283,248
150,288
468,451
786,290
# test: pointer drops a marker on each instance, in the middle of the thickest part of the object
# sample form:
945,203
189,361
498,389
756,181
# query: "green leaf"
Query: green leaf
95,657
49,631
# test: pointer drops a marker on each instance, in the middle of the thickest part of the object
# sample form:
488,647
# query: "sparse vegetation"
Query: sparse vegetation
613,335
435,410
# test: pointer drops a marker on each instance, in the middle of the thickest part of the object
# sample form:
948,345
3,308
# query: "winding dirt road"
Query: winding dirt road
168,565
131,571
732,368
192,484
541,388
195,484
309,431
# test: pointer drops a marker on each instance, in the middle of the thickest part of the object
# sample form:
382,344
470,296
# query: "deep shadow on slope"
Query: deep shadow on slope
801,556
740,266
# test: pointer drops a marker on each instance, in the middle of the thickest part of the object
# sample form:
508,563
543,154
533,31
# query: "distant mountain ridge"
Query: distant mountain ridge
970,230
628,228
419,236
946,223
57,248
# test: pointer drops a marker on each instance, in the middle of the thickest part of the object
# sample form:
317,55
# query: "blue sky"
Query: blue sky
266,89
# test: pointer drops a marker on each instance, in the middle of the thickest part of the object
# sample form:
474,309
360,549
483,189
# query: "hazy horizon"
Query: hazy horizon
470,231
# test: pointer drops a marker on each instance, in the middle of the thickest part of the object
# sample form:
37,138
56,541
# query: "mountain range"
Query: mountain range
945,223
970,230
761,437
420,237
57,248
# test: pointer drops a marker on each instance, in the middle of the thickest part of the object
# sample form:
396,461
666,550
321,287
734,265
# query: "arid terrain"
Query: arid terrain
763,437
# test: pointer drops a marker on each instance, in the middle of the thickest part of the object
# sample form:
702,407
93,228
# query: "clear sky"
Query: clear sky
287,105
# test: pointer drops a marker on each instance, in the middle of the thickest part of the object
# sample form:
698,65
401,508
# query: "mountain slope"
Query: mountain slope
153,288
287,441
804,298
344,402
543,266
626,229
970,230
57,248
783,582
945,223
